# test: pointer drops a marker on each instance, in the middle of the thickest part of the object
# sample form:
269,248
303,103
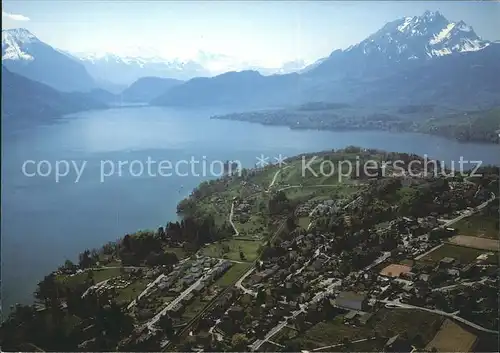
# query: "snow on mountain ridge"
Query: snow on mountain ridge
211,63
444,34
12,42
420,37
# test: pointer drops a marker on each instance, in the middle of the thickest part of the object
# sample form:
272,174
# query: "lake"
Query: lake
45,222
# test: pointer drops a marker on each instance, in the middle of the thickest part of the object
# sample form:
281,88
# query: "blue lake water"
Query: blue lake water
45,222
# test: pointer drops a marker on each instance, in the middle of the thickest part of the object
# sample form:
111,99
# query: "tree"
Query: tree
261,296
84,260
278,203
166,259
69,266
346,344
239,342
292,346
161,233
47,290
189,342
166,325
290,223
127,242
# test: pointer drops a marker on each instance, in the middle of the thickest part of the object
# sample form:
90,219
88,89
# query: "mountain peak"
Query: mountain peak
15,42
432,15
420,37
21,35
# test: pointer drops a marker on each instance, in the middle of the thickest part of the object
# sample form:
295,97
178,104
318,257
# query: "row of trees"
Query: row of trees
65,320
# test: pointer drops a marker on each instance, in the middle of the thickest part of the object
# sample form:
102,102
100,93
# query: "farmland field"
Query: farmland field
463,254
231,249
479,226
476,242
452,338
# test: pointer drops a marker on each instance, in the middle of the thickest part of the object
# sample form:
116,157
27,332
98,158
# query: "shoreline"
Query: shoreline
394,131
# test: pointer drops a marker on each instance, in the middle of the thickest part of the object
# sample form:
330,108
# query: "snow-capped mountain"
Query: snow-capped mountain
312,66
23,53
286,68
21,49
15,44
405,41
414,60
127,69
421,37
130,67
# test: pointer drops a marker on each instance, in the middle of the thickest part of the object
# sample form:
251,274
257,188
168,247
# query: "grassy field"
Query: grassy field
385,323
193,308
397,321
284,335
232,275
463,254
177,251
129,293
234,246
332,332
254,227
478,226
98,275
303,222
265,177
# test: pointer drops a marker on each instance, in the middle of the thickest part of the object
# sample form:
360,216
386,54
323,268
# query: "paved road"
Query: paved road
97,285
239,283
125,267
357,199
275,176
145,291
453,286
231,219
150,324
429,251
321,186
341,344
395,305
258,343
470,213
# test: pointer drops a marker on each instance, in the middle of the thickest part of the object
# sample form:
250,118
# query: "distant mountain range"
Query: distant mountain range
127,69
26,101
421,59
146,89
25,54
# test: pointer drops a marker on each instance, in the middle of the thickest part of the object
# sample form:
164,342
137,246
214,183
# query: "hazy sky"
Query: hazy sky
268,32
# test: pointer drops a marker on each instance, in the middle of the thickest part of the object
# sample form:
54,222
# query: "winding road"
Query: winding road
239,283
396,305
231,220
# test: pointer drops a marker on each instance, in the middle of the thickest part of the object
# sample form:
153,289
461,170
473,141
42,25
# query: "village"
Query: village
409,263
317,267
